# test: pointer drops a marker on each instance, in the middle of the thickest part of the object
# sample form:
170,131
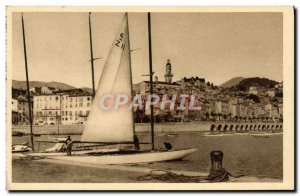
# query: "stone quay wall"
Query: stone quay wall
159,127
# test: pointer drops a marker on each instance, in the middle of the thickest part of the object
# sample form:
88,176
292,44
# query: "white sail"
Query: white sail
112,125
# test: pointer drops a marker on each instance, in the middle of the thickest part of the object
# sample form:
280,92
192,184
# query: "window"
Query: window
88,98
50,98
50,112
80,104
56,98
80,113
88,104
70,113
62,113
66,113
87,113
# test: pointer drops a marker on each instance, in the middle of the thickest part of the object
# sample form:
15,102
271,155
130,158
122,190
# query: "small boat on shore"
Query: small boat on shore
21,148
212,134
260,135
17,134
241,133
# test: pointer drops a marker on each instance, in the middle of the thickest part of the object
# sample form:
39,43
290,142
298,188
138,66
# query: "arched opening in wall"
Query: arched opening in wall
213,126
263,127
268,126
258,128
272,127
237,127
242,127
254,128
246,127
225,127
251,127
280,127
219,127
277,127
231,127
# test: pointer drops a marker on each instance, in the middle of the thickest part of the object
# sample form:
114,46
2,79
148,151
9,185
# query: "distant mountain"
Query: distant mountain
22,84
258,82
232,82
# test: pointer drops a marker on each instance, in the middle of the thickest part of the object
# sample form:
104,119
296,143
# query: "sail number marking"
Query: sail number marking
119,42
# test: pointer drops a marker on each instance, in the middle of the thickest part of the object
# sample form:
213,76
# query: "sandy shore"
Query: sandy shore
50,171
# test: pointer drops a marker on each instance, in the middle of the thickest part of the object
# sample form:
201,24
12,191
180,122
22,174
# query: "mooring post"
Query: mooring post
217,172
216,158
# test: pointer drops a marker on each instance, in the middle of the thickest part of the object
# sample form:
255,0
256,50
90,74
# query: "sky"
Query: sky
214,46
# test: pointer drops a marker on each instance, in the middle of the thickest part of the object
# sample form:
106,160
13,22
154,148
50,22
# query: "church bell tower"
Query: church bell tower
168,75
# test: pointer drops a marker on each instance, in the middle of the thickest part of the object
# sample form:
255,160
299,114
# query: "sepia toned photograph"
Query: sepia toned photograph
141,98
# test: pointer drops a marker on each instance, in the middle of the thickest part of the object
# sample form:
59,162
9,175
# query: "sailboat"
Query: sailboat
115,126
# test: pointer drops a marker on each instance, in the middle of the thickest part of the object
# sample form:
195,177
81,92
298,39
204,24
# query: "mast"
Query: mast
151,79
92,57
27,84
130,71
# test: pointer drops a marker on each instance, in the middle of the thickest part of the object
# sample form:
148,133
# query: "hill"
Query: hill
232,82
256,81
22,84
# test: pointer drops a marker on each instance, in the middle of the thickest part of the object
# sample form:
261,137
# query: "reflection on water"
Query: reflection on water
243,154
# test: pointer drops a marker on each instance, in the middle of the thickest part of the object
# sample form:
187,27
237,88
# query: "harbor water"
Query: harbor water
243,155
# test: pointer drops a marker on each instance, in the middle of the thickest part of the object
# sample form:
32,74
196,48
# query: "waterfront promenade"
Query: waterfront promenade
159,127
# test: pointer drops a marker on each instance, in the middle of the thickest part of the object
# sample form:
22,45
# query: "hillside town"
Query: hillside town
264,103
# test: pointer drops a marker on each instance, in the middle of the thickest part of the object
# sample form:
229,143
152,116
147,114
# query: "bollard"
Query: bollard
217,172
216,158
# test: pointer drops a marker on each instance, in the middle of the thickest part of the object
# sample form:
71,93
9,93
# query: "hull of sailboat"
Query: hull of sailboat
141,157
79,152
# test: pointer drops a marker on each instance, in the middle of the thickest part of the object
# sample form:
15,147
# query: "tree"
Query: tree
255,98
219,115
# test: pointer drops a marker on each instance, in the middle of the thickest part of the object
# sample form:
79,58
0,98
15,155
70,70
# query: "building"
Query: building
168,75
76,108
256,90
143,88
42,90
192,83
46,109
15,113
220,107
270,93
63,107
